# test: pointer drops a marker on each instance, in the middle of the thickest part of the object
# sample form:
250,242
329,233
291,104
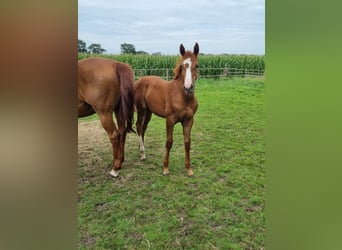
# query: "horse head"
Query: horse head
187,68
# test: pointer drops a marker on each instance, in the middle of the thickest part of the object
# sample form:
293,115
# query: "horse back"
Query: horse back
97,71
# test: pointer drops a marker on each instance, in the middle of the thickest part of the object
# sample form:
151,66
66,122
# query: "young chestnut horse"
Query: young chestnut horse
174,100
105,86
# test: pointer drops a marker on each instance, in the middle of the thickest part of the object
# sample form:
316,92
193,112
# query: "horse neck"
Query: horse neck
177,86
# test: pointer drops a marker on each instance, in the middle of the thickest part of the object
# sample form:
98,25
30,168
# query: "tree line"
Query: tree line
95,48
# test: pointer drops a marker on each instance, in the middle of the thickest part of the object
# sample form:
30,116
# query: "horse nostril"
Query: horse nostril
190,89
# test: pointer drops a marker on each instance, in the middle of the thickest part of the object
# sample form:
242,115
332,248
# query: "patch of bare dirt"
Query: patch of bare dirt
95,153
92,139
87,240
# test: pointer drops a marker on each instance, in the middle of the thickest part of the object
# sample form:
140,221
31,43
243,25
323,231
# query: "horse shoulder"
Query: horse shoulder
195,105
191,108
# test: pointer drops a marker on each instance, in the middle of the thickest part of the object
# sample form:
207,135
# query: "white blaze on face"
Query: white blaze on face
188,76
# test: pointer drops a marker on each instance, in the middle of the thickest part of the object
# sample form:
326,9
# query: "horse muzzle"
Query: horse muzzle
190,89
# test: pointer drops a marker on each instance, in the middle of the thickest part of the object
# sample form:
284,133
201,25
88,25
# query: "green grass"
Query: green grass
222,207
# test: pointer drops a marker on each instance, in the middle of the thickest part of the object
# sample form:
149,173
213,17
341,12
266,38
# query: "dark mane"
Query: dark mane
178,70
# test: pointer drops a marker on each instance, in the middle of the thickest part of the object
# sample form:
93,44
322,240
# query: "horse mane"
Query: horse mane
177,71
126,104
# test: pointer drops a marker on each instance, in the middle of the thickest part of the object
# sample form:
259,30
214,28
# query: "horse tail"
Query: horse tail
126,76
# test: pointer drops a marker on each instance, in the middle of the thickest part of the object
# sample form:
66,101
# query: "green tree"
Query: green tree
82,47
95,48
127,48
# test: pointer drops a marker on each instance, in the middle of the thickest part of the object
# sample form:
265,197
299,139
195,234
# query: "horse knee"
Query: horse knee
139,130
139,124
168,144
121,131
114,137
187,145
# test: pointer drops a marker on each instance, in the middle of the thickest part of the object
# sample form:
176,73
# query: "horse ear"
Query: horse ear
196,49
182,49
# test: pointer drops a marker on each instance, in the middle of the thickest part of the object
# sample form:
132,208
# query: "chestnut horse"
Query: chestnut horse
173,100
106,86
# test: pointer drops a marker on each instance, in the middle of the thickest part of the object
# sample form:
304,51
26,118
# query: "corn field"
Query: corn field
211,66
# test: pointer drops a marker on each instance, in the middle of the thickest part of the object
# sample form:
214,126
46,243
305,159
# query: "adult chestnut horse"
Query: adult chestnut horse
106,86
173,100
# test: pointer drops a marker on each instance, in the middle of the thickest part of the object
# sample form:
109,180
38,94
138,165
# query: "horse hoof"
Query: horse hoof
190,173
166,174
114,173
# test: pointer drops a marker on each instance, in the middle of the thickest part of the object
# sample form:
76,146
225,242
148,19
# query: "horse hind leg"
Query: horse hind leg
144,117
147,118
122,136
142,148
113,134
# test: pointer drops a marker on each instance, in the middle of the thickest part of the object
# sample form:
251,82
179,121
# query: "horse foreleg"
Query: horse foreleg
187,125
168,144
113,134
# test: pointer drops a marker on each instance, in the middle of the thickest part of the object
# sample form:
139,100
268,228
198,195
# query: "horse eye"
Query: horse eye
196,66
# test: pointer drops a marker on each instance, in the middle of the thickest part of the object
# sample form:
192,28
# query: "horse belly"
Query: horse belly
156,105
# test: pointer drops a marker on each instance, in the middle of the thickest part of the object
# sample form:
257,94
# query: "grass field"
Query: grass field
221,207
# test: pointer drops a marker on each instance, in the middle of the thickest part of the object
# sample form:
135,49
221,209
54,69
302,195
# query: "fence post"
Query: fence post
226,72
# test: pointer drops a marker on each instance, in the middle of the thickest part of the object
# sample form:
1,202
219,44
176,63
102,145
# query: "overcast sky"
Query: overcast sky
219,26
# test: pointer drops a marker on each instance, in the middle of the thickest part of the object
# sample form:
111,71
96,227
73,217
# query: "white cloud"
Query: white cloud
220,26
